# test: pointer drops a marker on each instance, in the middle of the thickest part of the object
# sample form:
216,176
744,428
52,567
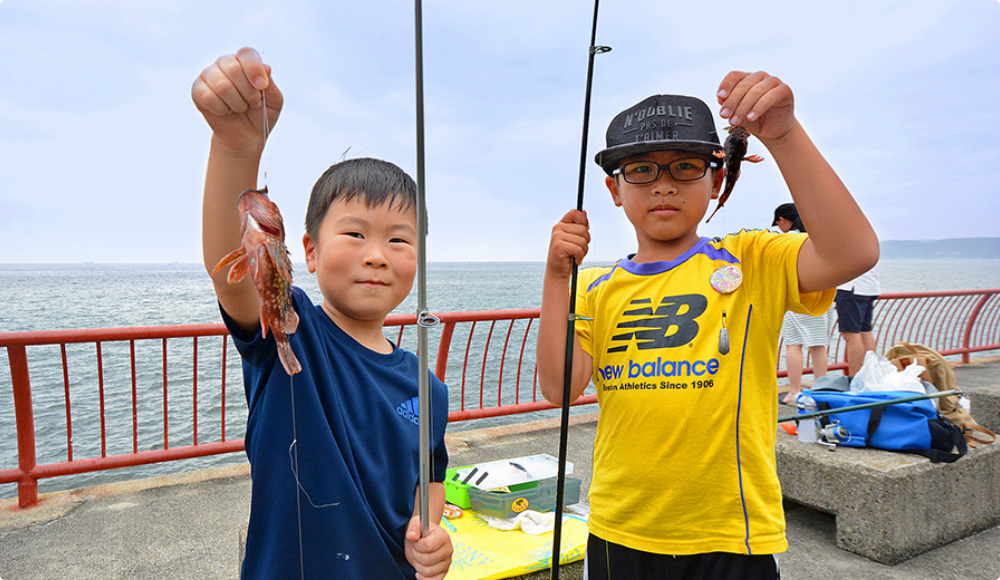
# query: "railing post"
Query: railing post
967,335
444,346
27,486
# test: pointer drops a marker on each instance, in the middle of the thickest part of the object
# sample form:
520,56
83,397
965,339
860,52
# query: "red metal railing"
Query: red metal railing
493,374
954,323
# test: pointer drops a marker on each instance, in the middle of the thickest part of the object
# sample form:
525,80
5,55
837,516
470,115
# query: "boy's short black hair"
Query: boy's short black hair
377,181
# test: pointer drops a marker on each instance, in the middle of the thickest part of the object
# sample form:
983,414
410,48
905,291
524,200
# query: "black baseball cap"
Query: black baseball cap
657,123
787,211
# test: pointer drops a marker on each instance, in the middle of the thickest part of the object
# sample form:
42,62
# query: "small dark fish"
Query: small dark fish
735,152
264,255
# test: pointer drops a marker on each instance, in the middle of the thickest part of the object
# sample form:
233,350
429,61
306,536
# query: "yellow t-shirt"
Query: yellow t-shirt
684,458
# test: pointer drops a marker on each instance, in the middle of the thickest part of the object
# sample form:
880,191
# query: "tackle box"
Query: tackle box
519,473
539,496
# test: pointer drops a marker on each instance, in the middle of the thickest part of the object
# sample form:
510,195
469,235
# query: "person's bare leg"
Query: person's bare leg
855,352
818,358
793,362
868,340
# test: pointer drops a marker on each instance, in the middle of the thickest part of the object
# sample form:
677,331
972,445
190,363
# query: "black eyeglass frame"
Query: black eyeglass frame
712,163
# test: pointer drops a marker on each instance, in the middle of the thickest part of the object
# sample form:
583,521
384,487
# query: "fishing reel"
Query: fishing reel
831,435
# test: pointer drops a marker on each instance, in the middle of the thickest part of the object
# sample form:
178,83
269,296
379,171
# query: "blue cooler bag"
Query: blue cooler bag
913,427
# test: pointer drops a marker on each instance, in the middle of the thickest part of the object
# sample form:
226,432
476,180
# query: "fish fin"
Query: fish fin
287,357
228,259
753,158
239,269
279,256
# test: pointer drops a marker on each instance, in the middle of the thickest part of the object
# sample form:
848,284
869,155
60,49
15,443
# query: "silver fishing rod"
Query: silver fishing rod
872,405
425,320
571,322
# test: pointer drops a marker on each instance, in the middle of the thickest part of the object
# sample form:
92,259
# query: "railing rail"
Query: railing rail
491,374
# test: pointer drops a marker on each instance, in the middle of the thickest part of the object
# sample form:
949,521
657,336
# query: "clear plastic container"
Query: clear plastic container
807,427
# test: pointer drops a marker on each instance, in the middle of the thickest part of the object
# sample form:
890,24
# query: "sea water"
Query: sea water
74,296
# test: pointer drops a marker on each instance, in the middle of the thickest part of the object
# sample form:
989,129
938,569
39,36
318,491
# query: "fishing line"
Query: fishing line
295,471
572,318
293,449
291,389
267,128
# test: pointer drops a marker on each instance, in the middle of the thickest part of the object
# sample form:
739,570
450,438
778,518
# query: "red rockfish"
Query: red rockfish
264,254
734,153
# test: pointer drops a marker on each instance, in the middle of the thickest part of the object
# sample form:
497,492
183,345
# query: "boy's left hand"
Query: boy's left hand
759,102
431,555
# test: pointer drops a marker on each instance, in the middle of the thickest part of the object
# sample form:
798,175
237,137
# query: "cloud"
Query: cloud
104,154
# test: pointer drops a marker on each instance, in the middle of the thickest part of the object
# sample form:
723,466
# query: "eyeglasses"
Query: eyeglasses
643,172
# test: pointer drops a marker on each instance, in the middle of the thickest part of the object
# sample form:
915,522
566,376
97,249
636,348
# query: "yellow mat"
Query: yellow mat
483,553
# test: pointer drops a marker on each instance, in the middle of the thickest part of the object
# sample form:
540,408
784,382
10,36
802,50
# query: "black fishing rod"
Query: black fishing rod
571,321
872,405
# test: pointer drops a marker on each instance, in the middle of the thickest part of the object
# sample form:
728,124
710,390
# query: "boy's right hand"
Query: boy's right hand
569,243
228,95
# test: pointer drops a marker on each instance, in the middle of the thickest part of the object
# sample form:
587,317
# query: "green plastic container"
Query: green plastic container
456,493
539,496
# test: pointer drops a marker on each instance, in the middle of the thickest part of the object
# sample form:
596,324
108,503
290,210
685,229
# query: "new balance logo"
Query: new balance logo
411,410
670,325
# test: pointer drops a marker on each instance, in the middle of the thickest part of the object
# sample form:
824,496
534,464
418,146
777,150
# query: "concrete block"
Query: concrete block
892,506
985,402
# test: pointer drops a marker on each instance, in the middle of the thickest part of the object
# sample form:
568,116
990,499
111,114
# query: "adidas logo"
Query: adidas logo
410,410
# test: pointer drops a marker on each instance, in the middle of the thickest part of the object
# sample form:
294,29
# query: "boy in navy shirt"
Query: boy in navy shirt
334,456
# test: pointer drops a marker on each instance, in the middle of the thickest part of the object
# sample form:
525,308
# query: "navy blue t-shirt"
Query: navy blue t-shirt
358,452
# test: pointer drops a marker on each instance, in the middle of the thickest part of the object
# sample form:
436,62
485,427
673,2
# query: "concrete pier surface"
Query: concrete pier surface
187,526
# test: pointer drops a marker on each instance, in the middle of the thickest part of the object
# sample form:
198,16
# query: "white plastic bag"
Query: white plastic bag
878,374
529,521
906,380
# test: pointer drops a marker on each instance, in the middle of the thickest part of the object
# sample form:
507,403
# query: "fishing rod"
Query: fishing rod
872,405
425,319
571,321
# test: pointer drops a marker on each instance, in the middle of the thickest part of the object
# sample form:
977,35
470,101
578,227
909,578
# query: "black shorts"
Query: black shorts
854,312
608,561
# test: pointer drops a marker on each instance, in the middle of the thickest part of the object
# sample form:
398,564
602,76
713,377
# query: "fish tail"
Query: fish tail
287,357
723,198
291,321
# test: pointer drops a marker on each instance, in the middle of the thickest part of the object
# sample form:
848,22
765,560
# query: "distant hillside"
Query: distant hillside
967,248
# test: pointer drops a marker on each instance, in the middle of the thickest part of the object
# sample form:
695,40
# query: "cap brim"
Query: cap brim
609,158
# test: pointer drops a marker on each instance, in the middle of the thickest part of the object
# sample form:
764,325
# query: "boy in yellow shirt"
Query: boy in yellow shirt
683,340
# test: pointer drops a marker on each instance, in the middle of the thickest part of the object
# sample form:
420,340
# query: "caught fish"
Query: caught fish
735,152
263,254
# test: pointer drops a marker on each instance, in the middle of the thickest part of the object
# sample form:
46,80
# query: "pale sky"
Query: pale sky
102,153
